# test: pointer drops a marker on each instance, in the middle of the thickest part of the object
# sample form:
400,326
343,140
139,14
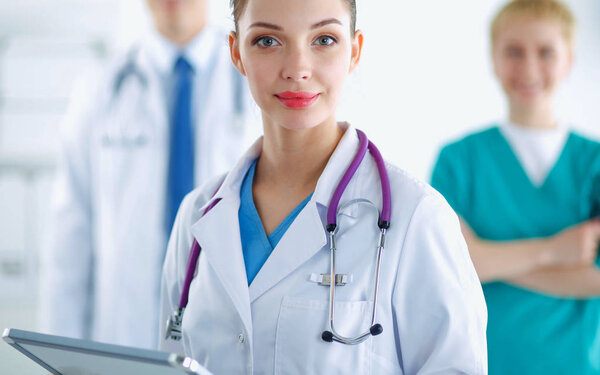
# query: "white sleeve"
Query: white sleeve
438,300
66,291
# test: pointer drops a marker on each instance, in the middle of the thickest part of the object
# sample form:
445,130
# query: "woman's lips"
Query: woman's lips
299,99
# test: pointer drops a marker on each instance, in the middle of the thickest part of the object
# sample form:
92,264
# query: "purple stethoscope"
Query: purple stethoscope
174,323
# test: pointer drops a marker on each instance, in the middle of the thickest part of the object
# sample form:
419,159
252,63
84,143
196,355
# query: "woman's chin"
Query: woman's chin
530,102
298,120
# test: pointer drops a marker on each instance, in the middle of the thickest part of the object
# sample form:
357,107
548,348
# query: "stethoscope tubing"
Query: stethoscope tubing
192,261
383,223
174,323
386,209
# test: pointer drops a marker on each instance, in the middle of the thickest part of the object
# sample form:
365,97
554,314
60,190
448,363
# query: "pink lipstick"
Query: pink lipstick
299,99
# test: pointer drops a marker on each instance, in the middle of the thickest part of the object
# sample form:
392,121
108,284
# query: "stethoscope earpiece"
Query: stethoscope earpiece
327,336
376,329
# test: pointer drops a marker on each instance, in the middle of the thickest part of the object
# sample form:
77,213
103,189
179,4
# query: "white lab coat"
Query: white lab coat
100,271
430,304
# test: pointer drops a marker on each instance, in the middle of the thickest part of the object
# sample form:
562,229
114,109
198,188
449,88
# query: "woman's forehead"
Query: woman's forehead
530,29
294,13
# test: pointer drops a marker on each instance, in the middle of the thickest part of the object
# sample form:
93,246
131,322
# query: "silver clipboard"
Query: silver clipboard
66,356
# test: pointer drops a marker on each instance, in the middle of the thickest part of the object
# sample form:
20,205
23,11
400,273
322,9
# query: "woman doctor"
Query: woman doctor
259,299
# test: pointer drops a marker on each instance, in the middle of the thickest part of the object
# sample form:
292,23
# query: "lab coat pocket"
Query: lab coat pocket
299,348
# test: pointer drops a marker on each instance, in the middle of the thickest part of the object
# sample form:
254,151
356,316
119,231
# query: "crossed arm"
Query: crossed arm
561,265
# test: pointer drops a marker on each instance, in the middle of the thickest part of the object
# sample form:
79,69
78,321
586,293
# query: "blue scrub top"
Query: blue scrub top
256,245
483,180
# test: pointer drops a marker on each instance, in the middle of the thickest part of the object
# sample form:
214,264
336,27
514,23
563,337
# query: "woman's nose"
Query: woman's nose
297,66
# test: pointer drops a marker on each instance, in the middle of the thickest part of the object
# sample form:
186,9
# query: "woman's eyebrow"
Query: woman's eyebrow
266,25
326,22
279,28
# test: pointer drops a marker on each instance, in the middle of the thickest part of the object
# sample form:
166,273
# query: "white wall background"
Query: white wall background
425,78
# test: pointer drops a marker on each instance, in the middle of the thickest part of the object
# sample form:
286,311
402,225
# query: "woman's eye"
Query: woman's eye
266,41
547,53
513,52
325,40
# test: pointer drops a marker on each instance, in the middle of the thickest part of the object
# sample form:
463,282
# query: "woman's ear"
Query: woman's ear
570,62
234,50
357,44
495,57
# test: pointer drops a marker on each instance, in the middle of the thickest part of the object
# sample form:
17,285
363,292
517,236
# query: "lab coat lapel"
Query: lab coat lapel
307,234
218,235
303,239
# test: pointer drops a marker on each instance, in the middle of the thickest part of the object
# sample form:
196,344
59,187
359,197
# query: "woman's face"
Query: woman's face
296,55
531,57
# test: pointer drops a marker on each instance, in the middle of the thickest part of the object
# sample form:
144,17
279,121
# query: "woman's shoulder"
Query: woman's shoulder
412,192
474,139
584,152
584,141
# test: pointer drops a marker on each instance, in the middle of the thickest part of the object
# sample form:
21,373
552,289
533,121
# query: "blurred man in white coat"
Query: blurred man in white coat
138,136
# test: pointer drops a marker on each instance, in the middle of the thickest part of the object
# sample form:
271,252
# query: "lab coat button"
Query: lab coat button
241,338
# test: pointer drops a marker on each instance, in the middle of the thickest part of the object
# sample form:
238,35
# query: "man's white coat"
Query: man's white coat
101,265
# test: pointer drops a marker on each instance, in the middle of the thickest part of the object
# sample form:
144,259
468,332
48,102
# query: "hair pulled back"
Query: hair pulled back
546,9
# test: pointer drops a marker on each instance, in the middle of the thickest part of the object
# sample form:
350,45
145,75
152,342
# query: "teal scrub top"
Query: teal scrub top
483,180
256,245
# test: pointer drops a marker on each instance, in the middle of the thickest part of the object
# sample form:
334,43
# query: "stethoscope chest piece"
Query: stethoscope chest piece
173,328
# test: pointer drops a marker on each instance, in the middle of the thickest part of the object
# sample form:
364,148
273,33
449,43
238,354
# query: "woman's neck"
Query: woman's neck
293,160
538,117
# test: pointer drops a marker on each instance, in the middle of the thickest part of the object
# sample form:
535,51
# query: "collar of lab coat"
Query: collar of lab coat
163,53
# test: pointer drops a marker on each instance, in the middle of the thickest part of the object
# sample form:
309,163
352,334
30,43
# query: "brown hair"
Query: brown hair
546,9
238,7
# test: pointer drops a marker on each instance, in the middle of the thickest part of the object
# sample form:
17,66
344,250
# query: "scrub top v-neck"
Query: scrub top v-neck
483,180
256,245
538,150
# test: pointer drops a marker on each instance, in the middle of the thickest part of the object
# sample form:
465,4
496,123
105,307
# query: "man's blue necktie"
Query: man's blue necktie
181,150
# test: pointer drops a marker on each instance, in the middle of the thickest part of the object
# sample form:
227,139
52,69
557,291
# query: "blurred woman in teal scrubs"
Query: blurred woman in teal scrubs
528,193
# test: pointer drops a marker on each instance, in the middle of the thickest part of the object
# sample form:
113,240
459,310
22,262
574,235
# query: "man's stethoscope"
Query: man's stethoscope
136,73
174,323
